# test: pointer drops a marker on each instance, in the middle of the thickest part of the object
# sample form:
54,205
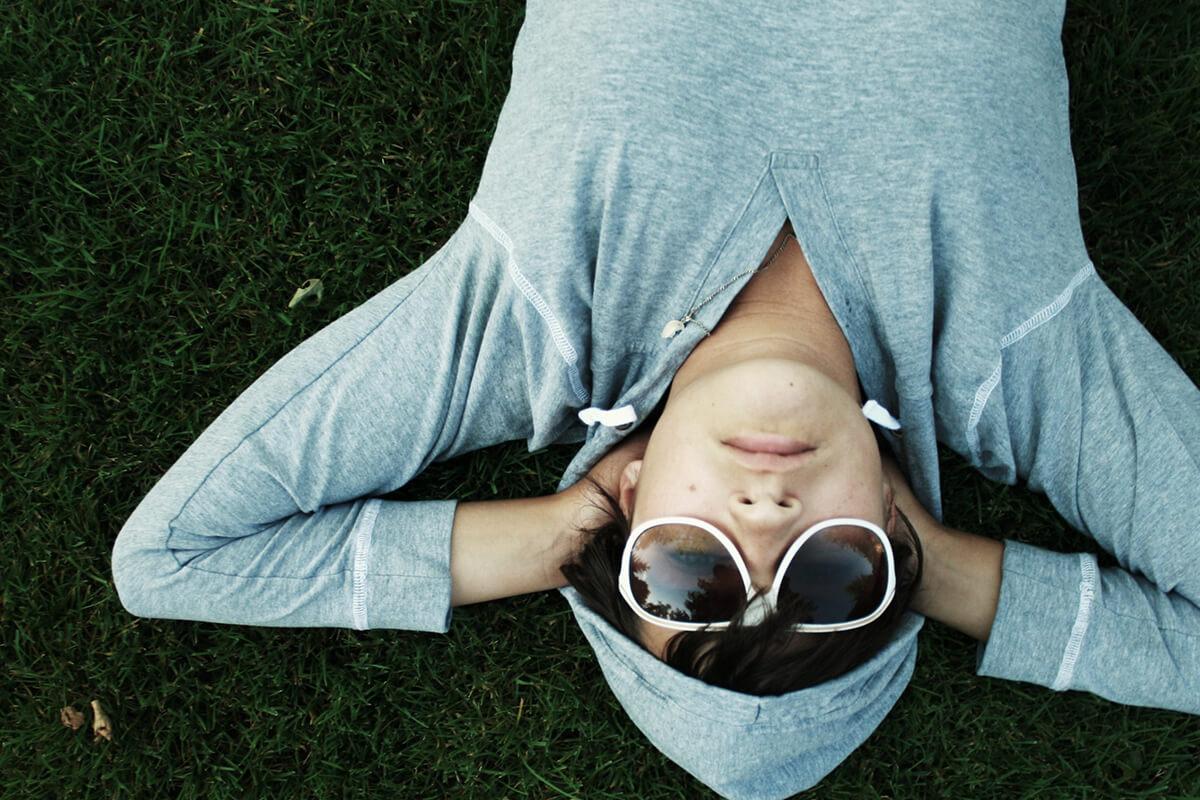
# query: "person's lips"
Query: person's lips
768,454
768,443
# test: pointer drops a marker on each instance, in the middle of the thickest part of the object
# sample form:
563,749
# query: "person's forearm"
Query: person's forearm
960,586
501,548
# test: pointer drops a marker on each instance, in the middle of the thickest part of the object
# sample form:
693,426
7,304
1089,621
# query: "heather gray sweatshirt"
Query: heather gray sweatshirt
645,155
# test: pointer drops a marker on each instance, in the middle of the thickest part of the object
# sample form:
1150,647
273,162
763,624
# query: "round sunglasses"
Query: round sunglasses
685,574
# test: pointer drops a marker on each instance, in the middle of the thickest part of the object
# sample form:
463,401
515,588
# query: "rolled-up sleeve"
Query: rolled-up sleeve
1092,411
1065,623
273,515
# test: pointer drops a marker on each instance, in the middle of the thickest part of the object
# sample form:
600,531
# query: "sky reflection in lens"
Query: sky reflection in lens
693,575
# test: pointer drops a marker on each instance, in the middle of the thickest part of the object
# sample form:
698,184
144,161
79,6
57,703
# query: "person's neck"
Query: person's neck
780,313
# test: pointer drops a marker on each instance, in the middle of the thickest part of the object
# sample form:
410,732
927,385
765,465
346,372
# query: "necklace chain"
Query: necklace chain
675,326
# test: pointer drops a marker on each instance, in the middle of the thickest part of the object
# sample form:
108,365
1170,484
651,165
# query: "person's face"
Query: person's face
762,504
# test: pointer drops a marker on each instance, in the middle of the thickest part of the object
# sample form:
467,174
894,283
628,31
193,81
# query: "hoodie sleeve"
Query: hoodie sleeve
271,516
1093,412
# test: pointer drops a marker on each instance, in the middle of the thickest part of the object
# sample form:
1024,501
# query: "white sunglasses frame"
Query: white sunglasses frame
767,601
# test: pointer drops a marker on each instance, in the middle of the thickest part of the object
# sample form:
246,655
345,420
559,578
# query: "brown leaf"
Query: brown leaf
71,718
100,725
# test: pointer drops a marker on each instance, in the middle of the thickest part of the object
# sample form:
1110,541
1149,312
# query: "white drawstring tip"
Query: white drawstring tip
880,415
611,418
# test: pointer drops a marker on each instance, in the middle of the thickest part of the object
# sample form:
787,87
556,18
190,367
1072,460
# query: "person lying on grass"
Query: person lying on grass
757,267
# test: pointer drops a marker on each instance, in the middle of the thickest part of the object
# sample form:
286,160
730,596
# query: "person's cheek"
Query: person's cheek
864,497
836,493
712,493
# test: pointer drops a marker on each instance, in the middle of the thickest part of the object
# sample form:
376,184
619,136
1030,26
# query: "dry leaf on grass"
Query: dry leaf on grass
71,717
312,286
100,725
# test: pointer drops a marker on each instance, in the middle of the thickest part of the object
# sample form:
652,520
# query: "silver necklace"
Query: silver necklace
676,326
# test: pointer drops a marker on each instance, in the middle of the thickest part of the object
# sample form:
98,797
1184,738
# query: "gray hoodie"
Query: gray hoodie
646,154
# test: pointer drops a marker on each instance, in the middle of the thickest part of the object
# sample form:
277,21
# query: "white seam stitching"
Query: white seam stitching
1049,312
362,551
1087,591
532,295
984,392
981,397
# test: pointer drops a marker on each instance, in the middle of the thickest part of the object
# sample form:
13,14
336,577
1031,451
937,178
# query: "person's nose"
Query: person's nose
767,518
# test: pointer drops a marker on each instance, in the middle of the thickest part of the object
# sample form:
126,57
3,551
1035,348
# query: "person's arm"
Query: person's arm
501,548
960,584
273,515
1092,411
960,574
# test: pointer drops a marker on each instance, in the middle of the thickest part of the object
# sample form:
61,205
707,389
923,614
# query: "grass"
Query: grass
169,174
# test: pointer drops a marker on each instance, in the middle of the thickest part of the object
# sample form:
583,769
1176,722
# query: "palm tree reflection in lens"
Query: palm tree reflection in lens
683,573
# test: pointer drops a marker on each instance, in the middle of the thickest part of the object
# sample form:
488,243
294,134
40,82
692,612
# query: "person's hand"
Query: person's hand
587,507
961,573
501,548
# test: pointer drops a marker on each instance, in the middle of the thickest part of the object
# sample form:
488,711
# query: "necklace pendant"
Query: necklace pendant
672,328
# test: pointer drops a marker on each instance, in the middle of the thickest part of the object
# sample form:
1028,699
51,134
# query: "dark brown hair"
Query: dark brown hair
763,659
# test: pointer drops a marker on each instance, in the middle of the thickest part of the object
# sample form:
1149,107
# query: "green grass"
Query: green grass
170,172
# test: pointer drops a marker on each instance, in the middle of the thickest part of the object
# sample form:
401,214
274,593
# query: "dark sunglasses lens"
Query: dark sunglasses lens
837,575
685,574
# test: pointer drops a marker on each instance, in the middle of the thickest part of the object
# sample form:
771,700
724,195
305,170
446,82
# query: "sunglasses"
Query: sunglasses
685,574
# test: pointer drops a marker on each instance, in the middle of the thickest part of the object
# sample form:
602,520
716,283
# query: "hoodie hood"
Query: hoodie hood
743,746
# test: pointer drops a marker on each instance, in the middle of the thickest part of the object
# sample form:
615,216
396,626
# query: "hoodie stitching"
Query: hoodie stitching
535,298
1087,593
362,557
984,392
1108,612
